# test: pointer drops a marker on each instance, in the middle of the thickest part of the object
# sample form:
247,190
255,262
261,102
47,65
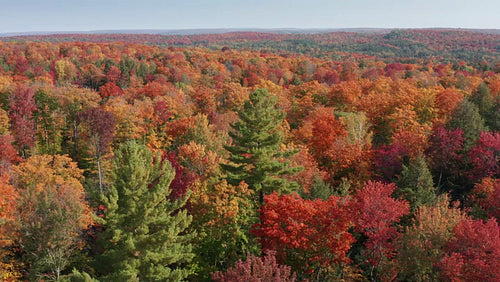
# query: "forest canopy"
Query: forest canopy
247,156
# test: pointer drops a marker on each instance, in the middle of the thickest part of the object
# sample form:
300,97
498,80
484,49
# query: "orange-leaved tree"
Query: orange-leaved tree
51,212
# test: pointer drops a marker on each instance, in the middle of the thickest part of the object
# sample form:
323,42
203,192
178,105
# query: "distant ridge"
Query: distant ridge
470,45
227,30
204,31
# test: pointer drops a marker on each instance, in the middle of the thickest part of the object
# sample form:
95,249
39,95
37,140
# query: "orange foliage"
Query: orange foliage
57,176
8,203
447,100
310,170
486,194
199,160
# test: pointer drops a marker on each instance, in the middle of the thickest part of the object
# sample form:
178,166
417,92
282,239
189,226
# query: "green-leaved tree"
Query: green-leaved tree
416,185
256,147
145,237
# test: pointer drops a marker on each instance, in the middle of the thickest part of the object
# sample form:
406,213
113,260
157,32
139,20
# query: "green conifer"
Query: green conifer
256,147
466,116
145,237
415,184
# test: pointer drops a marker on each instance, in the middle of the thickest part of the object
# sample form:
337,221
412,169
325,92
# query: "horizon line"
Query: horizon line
195,31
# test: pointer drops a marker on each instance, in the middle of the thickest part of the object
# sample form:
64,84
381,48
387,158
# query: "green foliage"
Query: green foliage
51,213
483,99
320,189
487,106
46,114
126,65
145,237
222,217
421,245
467,117
256,147
415,184
77,276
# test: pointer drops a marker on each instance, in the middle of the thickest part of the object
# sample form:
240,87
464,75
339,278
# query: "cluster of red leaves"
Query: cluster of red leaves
8,154
474,252
317,228
485,156
256,269
183,178
110,89
326,130
22,106
374,212
444,147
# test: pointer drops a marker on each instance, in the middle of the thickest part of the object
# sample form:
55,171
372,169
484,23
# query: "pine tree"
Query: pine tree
467,117
484,101
416,185
145,237
255,150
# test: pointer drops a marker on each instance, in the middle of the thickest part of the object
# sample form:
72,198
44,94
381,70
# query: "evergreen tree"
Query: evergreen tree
467,117
145,237
255,150
415,184
493,120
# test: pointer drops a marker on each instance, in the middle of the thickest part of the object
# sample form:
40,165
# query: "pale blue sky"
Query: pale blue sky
85,15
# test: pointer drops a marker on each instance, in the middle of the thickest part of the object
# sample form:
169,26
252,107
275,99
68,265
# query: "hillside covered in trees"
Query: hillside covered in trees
448,45
247,156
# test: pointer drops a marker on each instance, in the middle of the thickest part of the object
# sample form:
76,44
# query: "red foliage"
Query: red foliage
255,269
22,65
444,148
113,74
110,89
22,106
251,80
318,229
8,154
162,113
101,129
389,160
182,180
474,252
179,126
204,100
326,130
154,89
374,212
485,156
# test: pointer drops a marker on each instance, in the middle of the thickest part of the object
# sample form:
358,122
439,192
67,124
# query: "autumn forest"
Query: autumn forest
250,156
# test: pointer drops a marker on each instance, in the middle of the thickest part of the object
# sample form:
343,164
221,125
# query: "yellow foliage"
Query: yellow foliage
221,204
4,121
5,83
9,268
65,70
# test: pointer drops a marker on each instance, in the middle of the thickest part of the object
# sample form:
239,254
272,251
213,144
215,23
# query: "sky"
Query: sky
92,15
